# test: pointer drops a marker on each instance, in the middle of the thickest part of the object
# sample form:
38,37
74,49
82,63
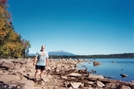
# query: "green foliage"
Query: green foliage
11,43
26,45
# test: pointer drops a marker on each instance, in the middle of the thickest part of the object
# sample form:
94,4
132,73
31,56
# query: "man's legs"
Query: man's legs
37,73
42,74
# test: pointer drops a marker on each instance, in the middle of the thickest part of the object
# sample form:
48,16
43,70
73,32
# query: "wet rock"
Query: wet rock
132,81
123,75
96,63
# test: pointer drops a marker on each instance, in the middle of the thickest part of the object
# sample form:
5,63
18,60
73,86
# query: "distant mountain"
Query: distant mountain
60,53
55,53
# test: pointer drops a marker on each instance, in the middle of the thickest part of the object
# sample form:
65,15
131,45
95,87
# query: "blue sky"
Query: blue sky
82,27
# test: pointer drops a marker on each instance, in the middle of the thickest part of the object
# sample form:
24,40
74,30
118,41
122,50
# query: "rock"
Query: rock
90,87
17,66
64,77
7,64
95,76
66,84
113,61
28,85
57,70
50,87
112,85
75,84
48,68
132,81
1,72
57,87
96,63
1,60
21,74
90,82
7,86
70,88
124,75
22,69
48,76
125,87
74,74
41,82
100,84
46,79
7,78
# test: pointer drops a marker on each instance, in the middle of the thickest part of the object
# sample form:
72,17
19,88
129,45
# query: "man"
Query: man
40,62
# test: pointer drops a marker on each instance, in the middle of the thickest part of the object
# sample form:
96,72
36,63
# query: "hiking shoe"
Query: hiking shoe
41,79
35,80
41,82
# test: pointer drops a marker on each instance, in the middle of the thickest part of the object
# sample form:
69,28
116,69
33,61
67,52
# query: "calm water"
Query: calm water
110,69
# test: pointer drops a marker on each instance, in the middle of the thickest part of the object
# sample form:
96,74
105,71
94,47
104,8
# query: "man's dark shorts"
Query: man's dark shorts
40,67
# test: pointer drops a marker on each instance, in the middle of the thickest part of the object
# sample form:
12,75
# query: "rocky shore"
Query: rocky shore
60,74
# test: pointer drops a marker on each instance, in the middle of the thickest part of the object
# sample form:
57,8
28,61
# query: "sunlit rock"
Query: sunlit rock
75,84
74,74
100,84
95,76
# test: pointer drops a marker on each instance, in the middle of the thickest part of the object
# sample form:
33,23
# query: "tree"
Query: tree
26,45
11,44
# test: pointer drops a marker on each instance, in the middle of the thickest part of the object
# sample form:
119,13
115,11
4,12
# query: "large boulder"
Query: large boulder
96,63
7,64
7,78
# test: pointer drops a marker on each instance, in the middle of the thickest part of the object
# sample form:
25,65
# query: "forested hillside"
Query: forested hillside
11,43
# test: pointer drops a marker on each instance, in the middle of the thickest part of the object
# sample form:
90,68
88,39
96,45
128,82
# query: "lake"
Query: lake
112,67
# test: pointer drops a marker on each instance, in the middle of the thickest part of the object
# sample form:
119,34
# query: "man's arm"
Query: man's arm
35,60
47,61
